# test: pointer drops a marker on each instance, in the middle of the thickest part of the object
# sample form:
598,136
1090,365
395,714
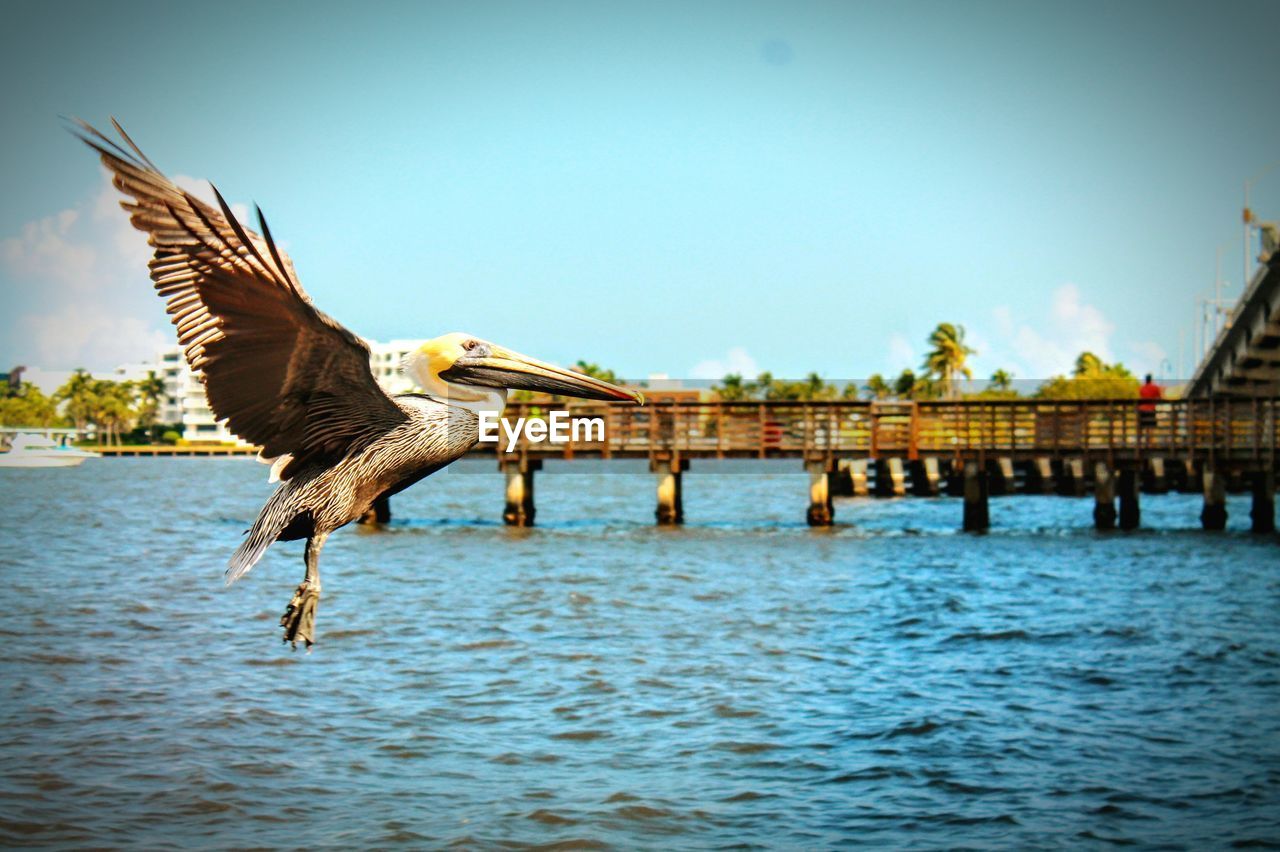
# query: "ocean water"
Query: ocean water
597,682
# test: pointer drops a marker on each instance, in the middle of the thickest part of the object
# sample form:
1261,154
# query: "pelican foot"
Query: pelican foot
299,619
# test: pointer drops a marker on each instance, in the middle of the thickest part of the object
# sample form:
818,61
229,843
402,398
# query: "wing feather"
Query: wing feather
281,373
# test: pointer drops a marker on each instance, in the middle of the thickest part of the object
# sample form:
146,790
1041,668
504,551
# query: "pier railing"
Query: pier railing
1241,430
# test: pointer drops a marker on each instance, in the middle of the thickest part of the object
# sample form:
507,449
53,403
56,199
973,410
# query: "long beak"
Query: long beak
505,369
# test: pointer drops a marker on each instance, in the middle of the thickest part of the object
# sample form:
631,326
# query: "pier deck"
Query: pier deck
970,448
1235,431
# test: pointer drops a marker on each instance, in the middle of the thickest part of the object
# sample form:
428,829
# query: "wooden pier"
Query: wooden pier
972,449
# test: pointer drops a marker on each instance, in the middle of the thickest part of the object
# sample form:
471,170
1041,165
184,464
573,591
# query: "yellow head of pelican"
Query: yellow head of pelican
464,368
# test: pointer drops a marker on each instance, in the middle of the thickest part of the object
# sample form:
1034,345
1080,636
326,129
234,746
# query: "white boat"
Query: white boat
33,450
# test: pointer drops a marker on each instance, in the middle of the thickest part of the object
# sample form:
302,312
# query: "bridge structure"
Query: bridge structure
1244,360
973,449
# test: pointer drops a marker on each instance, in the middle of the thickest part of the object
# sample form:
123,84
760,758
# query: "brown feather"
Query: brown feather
281,373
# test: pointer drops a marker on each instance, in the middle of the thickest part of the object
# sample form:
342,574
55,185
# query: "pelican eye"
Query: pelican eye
470,345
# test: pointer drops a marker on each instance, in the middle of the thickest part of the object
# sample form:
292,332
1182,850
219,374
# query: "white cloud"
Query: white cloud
901,353
1149,356
100,339
736,360
1038,352
86,300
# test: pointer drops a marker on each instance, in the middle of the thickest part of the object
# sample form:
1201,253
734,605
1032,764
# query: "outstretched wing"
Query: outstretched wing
281,373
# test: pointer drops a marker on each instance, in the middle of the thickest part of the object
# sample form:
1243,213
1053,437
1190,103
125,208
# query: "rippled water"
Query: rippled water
597,681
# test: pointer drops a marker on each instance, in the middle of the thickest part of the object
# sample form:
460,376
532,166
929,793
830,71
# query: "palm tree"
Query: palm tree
112,409
77,393
1001,380
947,358
150,390
877,387
814,388
904,387
733,389
595,371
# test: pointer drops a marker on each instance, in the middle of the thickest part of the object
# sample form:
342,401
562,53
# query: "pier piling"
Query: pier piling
1130,511
520,508
842,479
1214,514
1104,496
1157,477
670,472
977,516
926,476
891,478
1002,479
821,511
1071,483
1040,476
858,477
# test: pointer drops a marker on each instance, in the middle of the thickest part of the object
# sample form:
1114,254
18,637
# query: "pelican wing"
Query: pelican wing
281,373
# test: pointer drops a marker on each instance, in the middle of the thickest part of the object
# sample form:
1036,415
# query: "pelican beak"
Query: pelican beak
502,368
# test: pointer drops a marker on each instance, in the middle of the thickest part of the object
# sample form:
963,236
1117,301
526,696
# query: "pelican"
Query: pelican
295,382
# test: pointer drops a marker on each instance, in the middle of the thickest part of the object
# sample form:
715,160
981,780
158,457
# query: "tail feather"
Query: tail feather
270,523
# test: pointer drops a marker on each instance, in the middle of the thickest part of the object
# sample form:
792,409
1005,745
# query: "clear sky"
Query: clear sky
681,188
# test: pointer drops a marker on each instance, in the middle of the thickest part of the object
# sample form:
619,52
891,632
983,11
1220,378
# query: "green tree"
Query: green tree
1092,378
113,409
595,371
904,387
77,398
877,388
815,388
947,359
27,406
150,391
1088,365
732,388
1002,380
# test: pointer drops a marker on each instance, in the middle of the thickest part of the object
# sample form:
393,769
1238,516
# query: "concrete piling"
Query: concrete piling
858,478
977,516
1040,476
1214,514
1130,512
891,478
1104,496
821,510
670,473
926,477
842,479
1072,483
1191,478
520,509
1157,478
1001,479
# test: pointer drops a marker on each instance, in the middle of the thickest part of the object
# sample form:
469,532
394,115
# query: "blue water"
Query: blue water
597,682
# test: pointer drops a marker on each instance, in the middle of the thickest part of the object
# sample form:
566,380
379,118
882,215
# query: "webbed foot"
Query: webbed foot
299,619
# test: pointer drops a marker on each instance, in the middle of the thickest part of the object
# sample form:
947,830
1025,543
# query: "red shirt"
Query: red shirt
1150,390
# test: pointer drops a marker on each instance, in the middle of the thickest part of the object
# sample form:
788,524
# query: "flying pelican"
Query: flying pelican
292,380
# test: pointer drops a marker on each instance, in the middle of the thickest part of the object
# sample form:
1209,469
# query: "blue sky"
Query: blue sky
678,188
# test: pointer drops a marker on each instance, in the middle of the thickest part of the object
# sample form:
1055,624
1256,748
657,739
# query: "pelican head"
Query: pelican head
463,368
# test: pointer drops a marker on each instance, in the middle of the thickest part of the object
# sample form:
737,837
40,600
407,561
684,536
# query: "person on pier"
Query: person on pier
1149,393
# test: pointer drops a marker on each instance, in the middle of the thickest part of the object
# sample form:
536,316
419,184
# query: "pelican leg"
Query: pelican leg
299,619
